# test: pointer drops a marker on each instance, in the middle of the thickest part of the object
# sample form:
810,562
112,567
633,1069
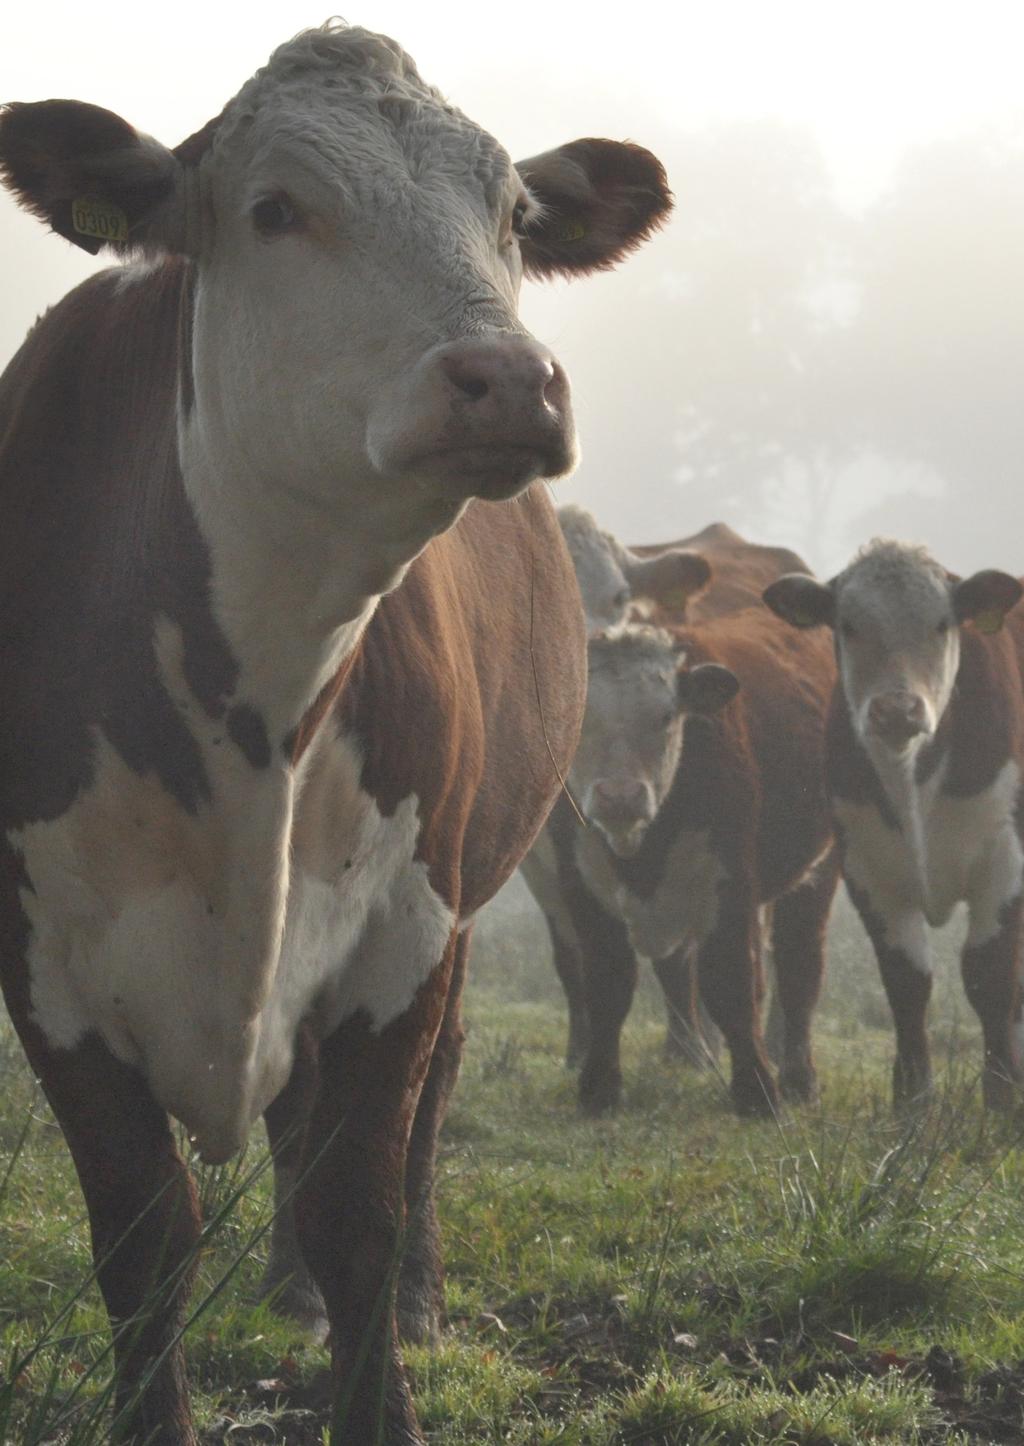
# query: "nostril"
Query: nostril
474,387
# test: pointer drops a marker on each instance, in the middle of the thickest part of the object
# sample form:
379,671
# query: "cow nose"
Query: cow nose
502,371
897,717
620,795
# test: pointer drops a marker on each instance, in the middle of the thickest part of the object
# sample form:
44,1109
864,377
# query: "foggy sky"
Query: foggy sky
867,82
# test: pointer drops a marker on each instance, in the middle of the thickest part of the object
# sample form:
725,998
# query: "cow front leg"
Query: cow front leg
567,958
421,1279
351,1206
610,970
991,966
145,1225
287,1283
686,1037
729,971
799,925
900,942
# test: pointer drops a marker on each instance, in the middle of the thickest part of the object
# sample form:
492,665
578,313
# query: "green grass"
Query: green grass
672,1274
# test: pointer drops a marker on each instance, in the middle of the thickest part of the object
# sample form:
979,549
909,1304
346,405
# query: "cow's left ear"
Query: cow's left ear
986,598
801,601
672,579
600,199
706,688
90,176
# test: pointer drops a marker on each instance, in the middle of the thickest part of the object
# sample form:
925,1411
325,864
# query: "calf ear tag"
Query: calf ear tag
572,231
989,620
99,220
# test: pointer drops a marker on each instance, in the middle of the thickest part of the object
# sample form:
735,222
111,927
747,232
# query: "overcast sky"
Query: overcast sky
870,79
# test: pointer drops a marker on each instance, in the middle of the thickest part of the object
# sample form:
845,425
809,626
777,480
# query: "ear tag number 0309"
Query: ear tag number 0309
572,231
99,220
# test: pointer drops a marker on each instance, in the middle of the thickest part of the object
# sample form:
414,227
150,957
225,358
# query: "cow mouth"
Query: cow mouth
495,471
623,838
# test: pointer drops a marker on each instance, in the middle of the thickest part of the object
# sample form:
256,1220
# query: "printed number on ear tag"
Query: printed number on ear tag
988,621
99,219
572,231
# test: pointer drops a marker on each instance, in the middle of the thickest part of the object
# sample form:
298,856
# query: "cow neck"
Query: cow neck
295,583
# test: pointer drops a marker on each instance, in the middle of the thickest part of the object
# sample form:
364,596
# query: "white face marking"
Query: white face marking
604,588
960,849
898,641
632,738
683,909
153,928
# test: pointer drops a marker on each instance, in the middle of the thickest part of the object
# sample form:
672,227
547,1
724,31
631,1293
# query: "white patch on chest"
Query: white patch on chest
951,850
195,944
682,910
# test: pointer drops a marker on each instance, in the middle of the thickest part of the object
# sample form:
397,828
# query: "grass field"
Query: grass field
669,1275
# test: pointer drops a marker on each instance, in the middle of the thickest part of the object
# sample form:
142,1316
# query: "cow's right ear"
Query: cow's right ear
672,579
91,177
801,601
986,598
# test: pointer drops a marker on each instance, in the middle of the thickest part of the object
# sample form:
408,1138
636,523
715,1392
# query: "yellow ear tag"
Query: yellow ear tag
99,219
572,231
989,621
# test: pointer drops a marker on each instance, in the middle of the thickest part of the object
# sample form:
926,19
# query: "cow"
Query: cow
701,577
699,772
284,702
924,752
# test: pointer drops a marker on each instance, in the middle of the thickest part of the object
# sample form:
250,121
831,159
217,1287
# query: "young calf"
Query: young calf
700,772
924,752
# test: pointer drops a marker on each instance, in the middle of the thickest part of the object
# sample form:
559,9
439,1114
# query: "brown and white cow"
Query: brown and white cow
701,577
699,771
924,755
283,705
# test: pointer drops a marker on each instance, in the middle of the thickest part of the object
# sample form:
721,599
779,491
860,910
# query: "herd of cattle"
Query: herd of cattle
285,702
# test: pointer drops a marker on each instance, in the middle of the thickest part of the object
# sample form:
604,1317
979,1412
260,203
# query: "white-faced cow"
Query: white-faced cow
282,705
701,577
700,772
924,755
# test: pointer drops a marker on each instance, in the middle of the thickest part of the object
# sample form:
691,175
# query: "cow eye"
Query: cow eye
274,215
848,630
942,626
622,597
519,211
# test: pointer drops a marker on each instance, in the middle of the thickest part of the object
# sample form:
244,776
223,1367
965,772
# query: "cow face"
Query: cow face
613,578
639,694
897,617
359,246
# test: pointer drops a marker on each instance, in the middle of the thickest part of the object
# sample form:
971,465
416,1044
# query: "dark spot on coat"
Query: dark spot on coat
248,732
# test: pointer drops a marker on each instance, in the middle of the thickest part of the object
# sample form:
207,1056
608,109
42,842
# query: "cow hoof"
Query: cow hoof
1000,1093
799,1085
756,1098
298,1301
598,1099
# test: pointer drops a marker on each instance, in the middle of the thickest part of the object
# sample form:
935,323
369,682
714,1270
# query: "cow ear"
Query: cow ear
91,177
672,579
985,599
706,688
802,601
599,201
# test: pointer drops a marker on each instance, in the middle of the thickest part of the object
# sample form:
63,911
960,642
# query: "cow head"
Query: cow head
640,692
897,617
612,577
358,247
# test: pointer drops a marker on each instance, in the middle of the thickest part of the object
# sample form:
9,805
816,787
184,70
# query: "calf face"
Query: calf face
640,692
613,578
897,617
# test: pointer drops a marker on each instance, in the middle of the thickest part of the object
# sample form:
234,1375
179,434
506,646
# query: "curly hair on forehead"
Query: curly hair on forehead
631,642
885,560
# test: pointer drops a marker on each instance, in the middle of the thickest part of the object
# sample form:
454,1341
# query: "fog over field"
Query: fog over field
828,340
